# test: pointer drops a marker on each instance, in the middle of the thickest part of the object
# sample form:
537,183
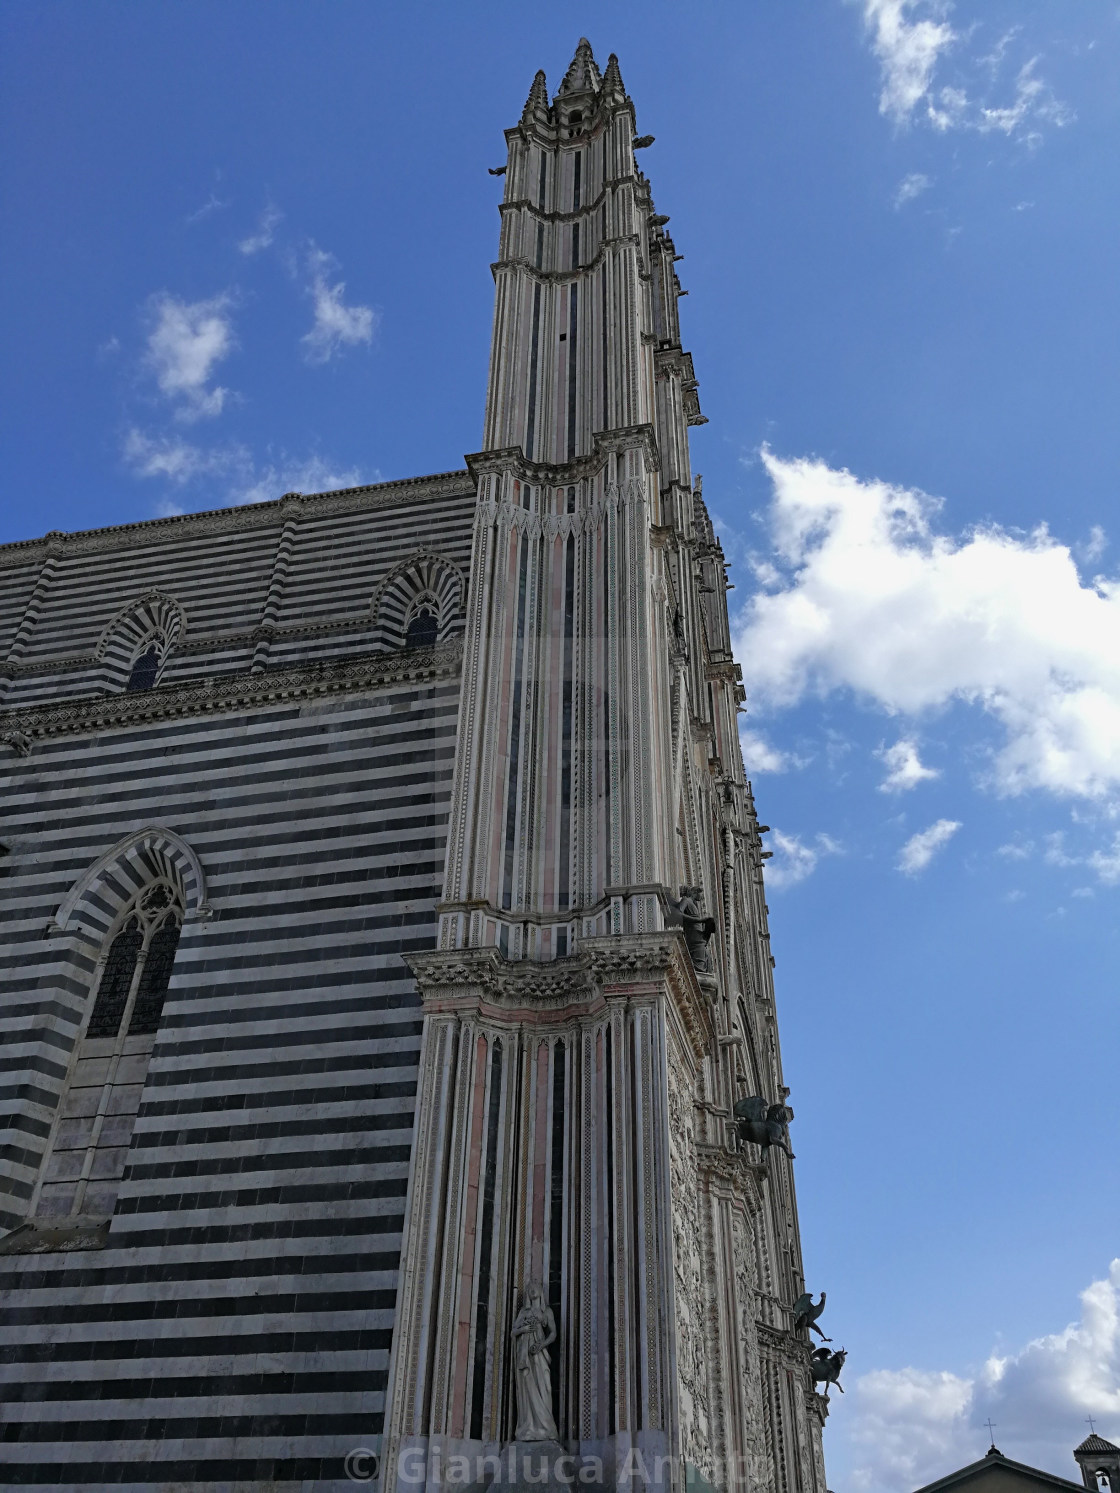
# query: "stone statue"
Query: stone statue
533,1329
805,1314
825,1368
698,929
765,1124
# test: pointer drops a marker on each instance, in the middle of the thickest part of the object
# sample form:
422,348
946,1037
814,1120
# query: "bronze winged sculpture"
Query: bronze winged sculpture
806,1312
825,1368
765,1124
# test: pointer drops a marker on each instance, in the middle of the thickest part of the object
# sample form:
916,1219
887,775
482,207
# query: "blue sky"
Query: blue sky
247,249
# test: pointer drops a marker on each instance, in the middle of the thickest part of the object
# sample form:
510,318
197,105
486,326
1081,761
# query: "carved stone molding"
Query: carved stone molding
562,277
603,969
233,692
603,443
720,1168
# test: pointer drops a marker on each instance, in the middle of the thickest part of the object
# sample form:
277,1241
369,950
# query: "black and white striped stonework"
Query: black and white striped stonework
287,778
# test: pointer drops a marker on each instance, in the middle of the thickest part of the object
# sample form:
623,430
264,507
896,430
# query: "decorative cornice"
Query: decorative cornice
564,277
226,520
519,204
603,444
481,982
222,693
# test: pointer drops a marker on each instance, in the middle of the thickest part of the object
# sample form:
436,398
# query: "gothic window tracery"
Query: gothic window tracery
423,626
137,642
145,667
90,1145
420,602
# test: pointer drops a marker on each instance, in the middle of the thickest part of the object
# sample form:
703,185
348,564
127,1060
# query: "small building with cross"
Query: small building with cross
995,1473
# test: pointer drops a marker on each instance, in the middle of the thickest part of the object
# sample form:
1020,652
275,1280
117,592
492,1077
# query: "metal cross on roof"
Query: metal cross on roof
991,1424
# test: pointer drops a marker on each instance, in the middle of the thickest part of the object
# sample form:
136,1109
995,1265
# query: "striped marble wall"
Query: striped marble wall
232,1325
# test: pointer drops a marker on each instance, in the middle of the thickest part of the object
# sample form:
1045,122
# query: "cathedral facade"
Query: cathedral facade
385,944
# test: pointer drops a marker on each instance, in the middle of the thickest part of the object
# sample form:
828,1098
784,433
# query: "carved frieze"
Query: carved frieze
220,693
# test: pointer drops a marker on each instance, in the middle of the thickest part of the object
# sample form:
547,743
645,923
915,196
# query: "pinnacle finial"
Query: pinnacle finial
583,75
538,97
613,91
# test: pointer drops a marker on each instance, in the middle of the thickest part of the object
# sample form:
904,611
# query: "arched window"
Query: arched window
145,667
91,1139
420,602
423,630
138,641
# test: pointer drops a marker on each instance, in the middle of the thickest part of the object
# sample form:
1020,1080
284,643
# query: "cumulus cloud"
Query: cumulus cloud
265,233
921,848
911,40
904,767
865,594
794,859
186,342
910,1425
910,187
336,325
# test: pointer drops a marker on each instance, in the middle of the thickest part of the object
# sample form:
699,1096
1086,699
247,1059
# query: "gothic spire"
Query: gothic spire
582,76
537,102
613,91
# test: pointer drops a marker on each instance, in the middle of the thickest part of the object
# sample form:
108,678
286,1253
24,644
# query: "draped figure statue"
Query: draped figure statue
533,1329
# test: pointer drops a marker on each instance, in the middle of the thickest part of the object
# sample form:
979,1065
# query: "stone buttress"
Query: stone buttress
577,1071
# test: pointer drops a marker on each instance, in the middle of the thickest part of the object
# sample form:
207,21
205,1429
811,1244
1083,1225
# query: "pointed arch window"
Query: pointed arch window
89,1147
145,667
423,629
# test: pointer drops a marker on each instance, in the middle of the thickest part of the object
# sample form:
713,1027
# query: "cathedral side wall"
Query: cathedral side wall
235,1325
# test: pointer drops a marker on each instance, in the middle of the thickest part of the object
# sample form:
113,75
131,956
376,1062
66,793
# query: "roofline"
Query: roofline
253,515
998,1459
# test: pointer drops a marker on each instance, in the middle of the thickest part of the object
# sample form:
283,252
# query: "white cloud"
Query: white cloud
794,860
904,768
907,49
270,220
910,1426
912,38
177,460
1033,101
308,475
336,325
1016,851
186,342
921,848
237,478
910,187
1094,547
213,204
1106,863
875,600
759,755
